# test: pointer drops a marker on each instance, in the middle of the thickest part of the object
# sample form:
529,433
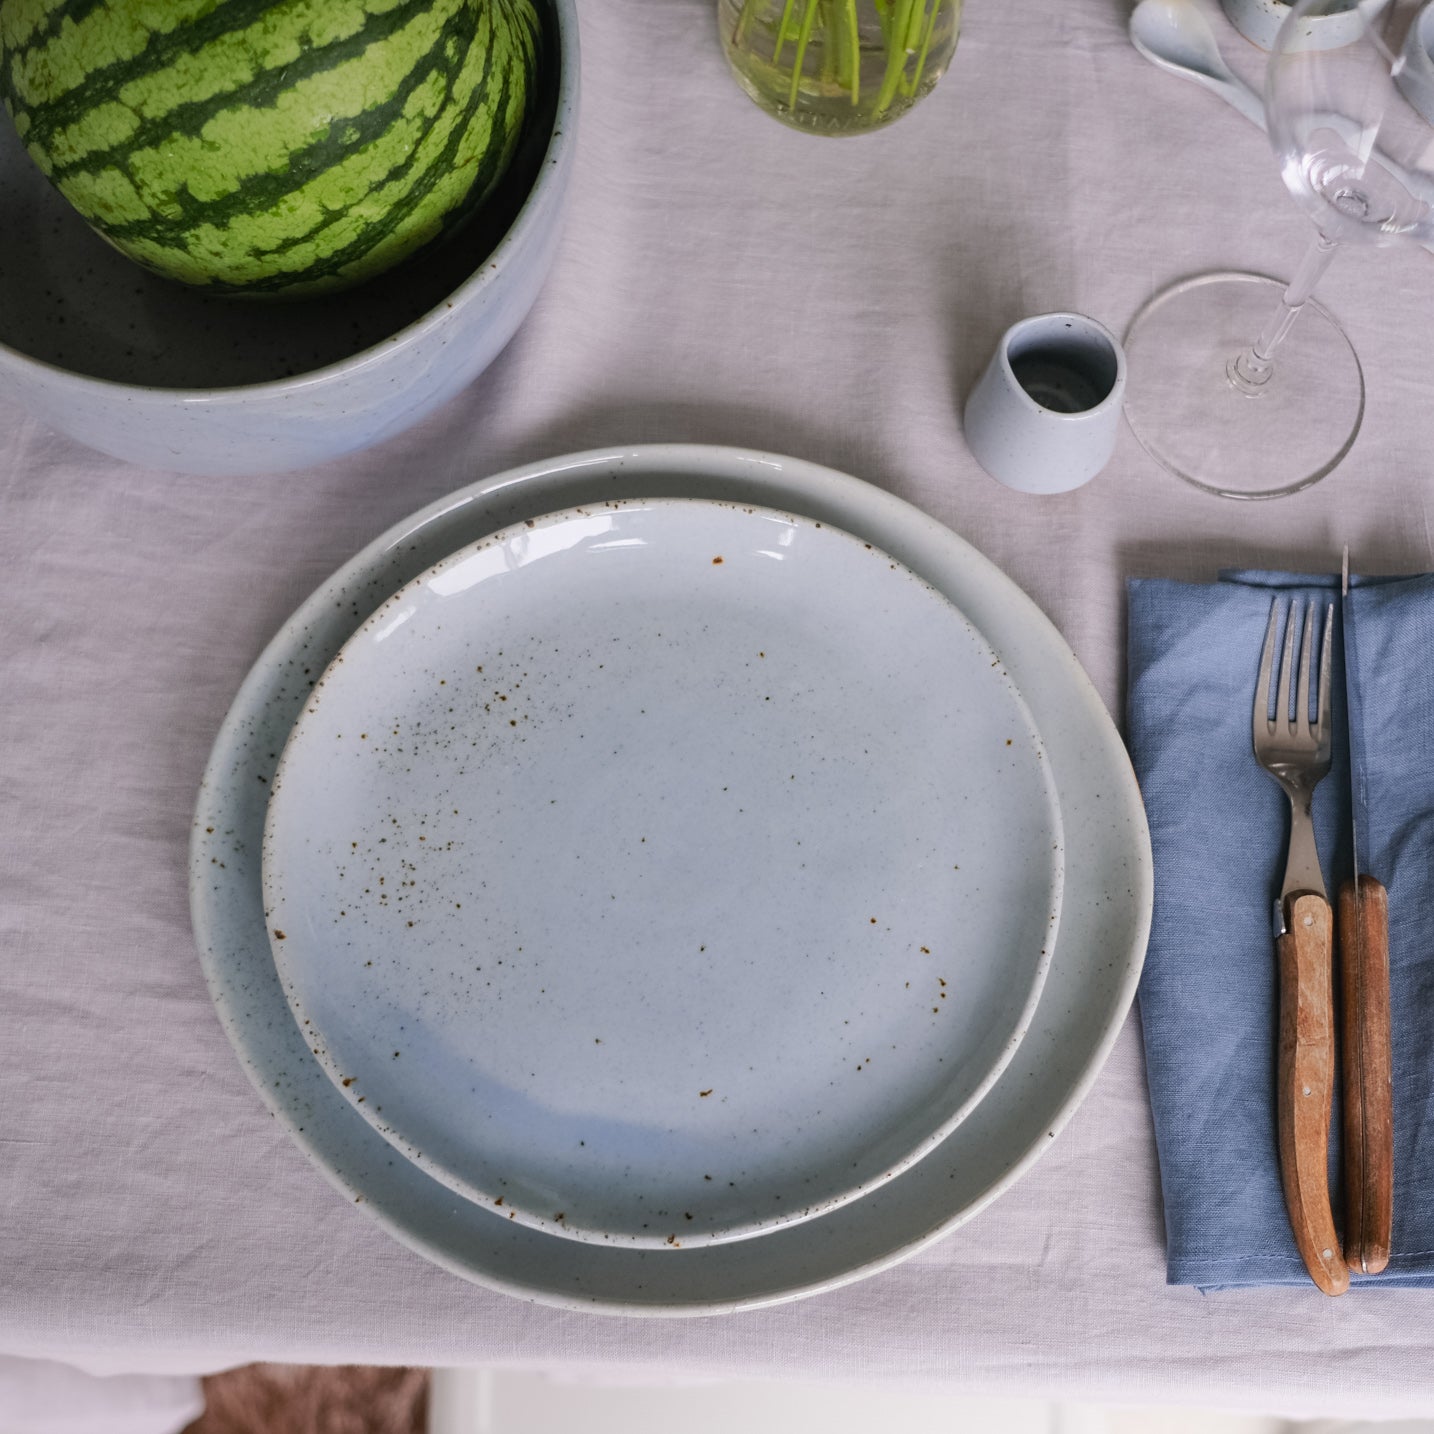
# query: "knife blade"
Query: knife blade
1367,1064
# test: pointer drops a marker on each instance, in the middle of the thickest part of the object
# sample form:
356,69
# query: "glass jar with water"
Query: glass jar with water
838,66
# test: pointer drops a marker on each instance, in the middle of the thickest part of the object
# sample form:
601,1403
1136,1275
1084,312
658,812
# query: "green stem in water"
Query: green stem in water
809,16
853,34
739,33
910,87
830,50
895,56
782,31
913,25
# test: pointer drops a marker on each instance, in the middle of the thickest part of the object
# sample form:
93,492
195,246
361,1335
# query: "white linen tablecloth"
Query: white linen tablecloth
722,279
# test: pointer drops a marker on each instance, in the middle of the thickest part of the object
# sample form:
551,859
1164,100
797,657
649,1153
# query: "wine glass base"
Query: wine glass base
1194,421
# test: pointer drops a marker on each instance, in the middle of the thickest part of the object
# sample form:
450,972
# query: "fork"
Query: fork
1295,750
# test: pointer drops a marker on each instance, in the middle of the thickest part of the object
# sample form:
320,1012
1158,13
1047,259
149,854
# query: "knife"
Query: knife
1367,1065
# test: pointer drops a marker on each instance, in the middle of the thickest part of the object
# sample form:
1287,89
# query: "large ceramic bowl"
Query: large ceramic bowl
149,371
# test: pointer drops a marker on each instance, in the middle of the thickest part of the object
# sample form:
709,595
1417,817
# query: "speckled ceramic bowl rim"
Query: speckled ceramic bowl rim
950,1117
1260,22
560,139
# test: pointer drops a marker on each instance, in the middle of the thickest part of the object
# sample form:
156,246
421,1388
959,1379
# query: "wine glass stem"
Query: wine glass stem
1252,368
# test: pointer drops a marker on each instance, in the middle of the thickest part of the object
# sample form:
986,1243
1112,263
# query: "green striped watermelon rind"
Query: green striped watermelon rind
202,162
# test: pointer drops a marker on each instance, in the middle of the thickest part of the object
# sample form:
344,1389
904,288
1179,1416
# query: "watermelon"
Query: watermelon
270,146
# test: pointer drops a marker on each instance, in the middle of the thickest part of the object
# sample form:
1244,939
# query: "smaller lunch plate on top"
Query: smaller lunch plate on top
664,871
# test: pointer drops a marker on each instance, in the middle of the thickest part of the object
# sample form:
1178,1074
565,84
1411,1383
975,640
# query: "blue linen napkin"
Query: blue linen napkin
1218,823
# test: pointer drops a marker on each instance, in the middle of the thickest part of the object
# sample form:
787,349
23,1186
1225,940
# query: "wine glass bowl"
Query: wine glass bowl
1353,147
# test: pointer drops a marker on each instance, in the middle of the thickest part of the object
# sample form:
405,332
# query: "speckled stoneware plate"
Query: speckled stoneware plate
664,871
1091,981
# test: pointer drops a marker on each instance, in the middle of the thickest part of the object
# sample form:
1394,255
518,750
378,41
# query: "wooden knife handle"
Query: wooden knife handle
1306,1085
1368,1090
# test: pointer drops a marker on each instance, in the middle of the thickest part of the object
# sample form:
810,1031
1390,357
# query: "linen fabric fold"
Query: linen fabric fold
1219,829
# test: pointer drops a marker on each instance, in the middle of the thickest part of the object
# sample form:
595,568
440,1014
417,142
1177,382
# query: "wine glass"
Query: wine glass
1225,389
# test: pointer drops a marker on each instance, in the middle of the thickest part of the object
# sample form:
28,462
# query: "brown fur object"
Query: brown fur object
305,1399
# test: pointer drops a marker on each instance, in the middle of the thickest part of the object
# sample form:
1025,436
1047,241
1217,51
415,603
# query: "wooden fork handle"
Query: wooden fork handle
1306,1085
1367,1095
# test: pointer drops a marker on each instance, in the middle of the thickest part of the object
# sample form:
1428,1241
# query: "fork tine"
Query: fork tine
1261,722
1303,723
1322,719
1287,664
